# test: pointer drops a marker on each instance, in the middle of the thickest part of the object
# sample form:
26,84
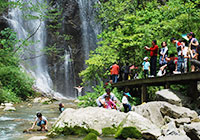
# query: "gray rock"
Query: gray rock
1,107
168,96
151,111
161,112
99,118
170,129
9,108
182,121
174,137
193,130
176,112
39,138
8,104
148,129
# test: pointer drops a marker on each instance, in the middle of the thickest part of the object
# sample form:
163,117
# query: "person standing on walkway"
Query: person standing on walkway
146,67
179,48
153,53
126,71
193,44
114,72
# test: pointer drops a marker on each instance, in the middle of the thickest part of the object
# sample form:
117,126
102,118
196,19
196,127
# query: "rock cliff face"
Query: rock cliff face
58,69
3,23
64,78
78,22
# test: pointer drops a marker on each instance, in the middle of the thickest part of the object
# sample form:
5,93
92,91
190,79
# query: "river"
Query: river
12,124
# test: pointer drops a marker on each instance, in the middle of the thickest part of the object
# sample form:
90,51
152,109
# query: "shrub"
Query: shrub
8,96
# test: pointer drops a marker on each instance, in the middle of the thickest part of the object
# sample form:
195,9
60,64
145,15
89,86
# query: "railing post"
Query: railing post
143,93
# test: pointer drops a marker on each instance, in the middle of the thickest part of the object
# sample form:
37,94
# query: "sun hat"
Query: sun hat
145,58
128,94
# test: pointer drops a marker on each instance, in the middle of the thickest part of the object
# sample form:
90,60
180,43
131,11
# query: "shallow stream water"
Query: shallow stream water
12,124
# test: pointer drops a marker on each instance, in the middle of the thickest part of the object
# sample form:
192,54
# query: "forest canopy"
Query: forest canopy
129,25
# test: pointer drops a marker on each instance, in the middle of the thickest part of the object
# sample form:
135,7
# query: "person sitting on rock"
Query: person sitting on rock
101,100
126,104
41,121
61,107
109,104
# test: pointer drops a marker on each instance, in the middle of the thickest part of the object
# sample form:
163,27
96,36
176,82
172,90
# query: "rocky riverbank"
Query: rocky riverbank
157,120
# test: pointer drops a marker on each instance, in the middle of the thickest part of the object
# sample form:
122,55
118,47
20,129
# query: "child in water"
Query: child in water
61,107
109,104
41,121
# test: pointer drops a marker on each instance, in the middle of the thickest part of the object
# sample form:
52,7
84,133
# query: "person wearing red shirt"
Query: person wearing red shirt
153,53
114,72
179,48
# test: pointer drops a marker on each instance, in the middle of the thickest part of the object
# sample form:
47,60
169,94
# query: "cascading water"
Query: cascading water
90,29
36,65
60,78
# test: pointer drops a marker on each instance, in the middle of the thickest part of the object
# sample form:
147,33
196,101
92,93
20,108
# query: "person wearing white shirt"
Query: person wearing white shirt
41,121
126,104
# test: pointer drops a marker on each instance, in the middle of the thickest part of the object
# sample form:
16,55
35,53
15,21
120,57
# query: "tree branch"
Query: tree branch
28,38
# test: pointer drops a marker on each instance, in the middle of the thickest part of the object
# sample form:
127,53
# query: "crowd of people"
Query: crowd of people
188,53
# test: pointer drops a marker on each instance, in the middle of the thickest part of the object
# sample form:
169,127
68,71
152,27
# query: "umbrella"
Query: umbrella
185,37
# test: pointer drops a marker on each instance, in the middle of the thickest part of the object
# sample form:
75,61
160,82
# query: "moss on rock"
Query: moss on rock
108,131
76,130
128,132
90,136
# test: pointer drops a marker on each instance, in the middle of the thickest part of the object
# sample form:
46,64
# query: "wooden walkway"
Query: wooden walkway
190,78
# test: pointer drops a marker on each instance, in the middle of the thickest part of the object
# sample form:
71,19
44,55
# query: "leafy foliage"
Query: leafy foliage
15,84
130,25
8,95
90,98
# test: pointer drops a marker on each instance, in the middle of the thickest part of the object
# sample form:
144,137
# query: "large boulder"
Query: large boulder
148,129
156,111
177,112
98,118
151,111
193,130
168,96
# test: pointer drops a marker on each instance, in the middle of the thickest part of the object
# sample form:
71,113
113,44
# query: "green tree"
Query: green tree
128,26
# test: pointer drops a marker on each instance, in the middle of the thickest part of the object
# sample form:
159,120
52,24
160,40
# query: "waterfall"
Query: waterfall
35,62
90,29
59,78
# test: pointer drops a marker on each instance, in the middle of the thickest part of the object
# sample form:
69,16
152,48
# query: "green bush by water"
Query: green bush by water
15,84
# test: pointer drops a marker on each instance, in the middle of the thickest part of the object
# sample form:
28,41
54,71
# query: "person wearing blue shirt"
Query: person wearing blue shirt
146,67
